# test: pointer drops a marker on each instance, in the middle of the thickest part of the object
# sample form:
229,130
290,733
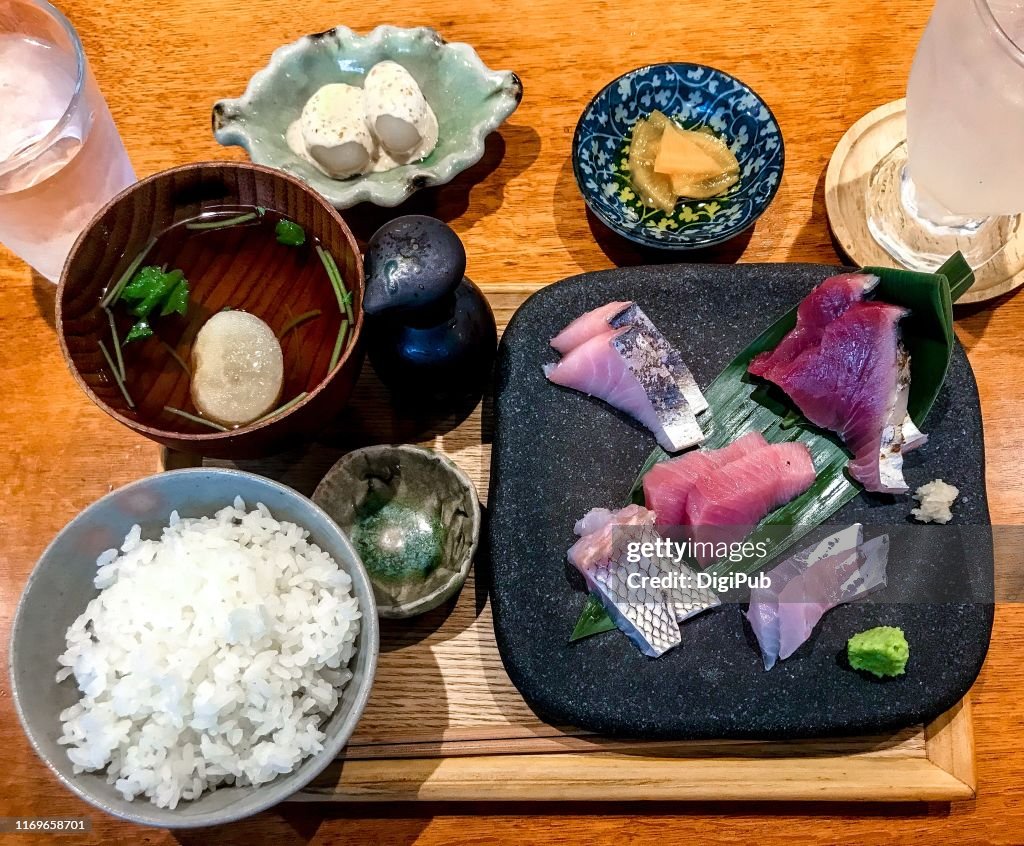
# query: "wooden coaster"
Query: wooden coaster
846,183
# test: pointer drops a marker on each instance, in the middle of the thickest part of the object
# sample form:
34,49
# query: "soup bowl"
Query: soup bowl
269,285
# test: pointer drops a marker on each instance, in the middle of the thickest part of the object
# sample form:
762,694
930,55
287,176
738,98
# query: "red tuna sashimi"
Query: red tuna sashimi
667,484
849,383
726,504
586,326
830,300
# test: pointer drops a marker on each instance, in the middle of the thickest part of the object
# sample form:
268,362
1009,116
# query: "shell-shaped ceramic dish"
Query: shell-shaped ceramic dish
469,99
695,96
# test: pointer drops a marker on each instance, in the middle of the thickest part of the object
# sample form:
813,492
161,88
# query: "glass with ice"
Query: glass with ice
957,183
61,157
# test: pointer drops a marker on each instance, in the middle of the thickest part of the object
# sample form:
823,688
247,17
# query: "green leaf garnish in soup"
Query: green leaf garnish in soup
290,233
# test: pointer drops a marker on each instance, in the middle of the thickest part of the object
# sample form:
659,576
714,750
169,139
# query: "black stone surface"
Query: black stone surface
558,453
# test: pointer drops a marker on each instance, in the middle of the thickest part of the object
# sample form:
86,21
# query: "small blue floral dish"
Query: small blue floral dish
694,96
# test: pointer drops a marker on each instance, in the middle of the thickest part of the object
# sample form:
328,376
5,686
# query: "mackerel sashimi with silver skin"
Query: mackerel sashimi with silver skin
648,615
616,354
845,368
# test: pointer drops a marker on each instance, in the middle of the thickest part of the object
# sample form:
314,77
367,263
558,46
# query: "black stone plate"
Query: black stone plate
558,453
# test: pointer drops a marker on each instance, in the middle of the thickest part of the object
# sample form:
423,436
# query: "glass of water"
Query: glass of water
61,157
957,183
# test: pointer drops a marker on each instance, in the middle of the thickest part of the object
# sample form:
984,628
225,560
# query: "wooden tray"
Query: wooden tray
445,723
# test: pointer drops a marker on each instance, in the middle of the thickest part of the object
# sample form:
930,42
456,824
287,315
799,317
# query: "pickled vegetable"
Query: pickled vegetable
667,163
654,189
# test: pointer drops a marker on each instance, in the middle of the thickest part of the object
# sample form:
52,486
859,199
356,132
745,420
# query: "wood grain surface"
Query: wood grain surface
821,64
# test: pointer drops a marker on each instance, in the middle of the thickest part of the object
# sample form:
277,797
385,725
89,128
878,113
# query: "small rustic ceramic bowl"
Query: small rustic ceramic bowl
469,99
61,586
414,518
694,96
127,224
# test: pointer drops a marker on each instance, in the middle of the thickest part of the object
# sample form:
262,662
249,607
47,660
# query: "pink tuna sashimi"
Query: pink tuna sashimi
803,588
586,326
667,484
851,384
830,300
726,504
609,366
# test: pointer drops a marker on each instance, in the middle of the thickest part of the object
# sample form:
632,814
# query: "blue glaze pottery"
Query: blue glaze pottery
694,96
432,333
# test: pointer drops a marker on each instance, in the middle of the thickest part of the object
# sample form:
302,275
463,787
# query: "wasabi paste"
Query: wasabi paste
883,651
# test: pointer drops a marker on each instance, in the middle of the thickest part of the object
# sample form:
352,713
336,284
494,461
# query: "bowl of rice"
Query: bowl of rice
193,648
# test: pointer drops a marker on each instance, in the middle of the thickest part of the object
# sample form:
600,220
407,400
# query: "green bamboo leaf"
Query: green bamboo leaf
739,403
592,621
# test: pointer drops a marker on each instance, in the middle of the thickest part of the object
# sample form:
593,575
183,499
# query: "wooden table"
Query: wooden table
821,64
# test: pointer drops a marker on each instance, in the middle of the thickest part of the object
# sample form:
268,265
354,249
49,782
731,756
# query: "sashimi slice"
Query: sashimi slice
646,360
613,367
620,315
724,505
803,588
633,315
600,555
594,530
644,614
851,384
667,484
586,326
830,300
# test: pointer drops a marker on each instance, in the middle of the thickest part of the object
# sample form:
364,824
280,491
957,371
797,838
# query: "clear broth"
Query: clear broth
241,267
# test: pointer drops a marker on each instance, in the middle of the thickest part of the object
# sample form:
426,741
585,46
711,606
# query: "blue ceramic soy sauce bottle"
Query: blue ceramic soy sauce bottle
430,332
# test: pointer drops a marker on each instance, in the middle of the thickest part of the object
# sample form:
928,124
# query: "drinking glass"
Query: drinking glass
61,157
957,182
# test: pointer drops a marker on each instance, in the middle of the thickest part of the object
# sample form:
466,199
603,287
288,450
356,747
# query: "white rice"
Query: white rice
209,657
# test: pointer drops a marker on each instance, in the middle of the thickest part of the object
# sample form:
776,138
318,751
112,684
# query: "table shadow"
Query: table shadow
508,152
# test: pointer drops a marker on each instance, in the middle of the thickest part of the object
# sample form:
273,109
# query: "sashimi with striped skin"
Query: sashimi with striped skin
831,299
644,614
724,505
667,484
856,383
648,615
620,367
804,587
586,326
669,356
